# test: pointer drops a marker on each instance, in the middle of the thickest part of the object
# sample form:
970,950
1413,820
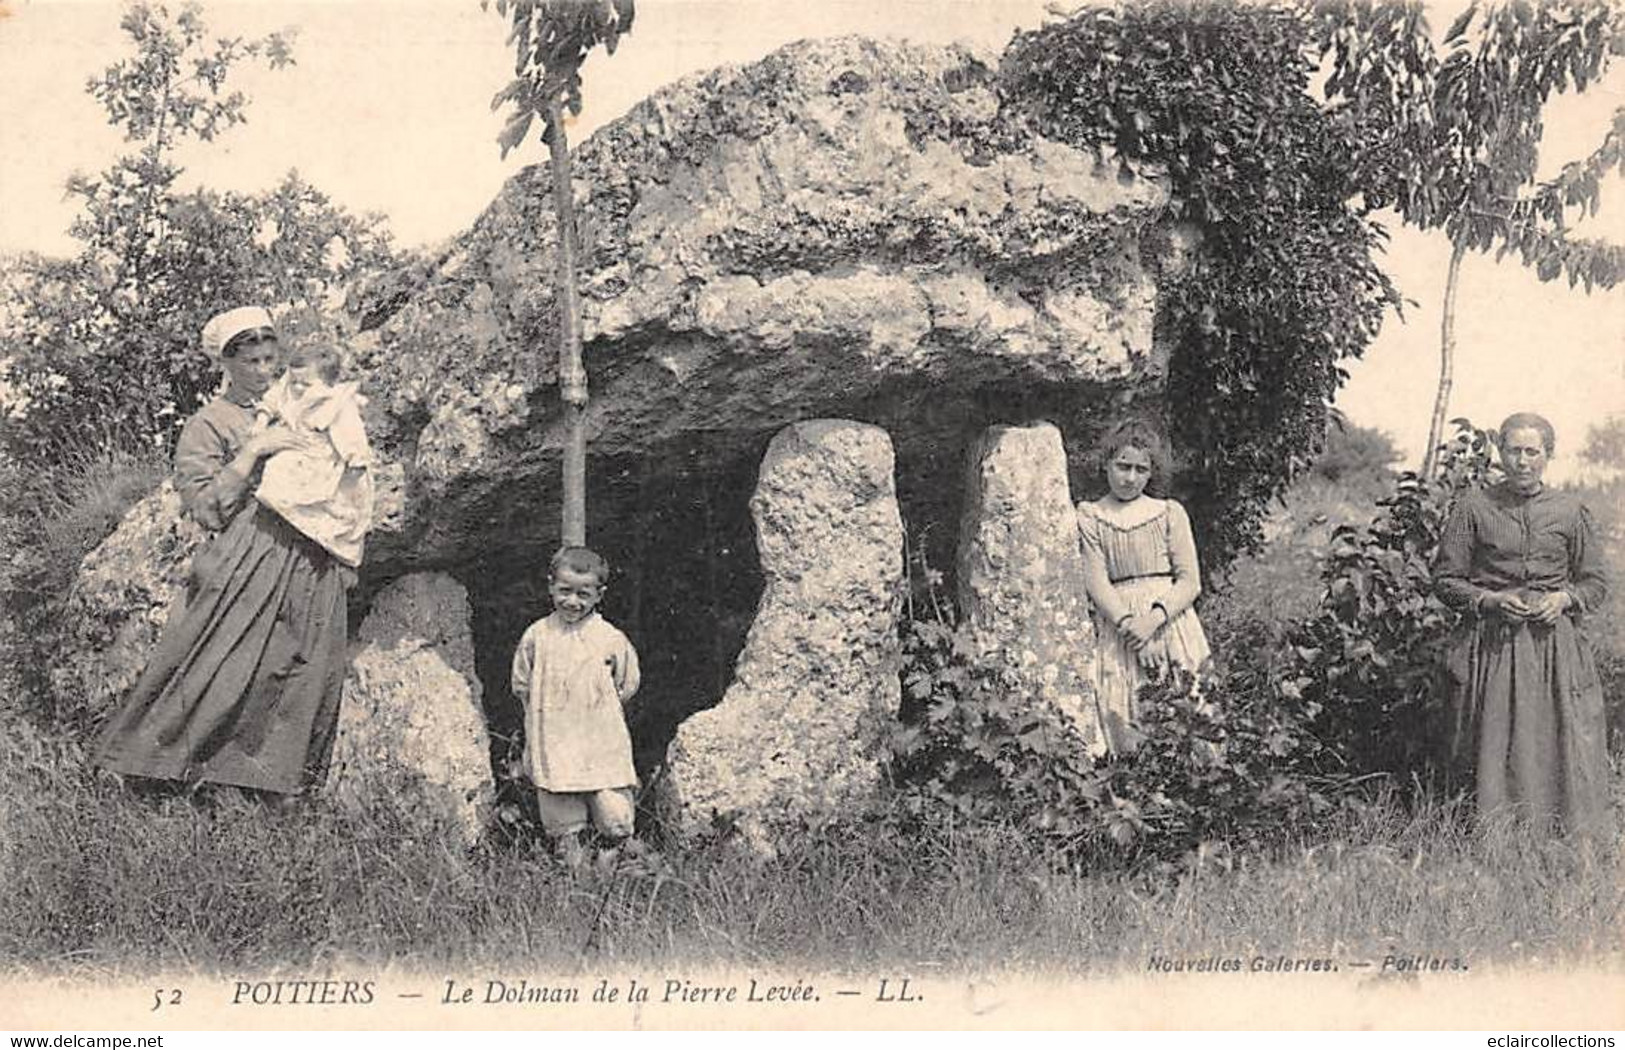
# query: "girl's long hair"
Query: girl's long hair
1138,434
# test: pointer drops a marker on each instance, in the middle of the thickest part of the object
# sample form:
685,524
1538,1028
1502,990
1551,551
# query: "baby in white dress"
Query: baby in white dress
323,489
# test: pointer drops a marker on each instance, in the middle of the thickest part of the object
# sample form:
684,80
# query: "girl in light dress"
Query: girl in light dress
1141,572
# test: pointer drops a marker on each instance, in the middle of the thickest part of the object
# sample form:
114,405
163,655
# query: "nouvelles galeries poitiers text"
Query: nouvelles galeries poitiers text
1391,963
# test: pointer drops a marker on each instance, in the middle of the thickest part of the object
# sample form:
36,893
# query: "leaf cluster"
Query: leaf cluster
1355,456
1224,762
175,62
1448,134
111,334
550,39
1605,443
99,357
1264,746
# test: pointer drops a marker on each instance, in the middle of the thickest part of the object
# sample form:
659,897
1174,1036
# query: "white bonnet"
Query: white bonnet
223,327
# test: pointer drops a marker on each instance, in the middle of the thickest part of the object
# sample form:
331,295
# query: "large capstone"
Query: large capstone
846,228
411,729
799,735
1020,575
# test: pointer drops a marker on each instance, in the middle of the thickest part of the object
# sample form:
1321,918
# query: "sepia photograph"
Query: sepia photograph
737,514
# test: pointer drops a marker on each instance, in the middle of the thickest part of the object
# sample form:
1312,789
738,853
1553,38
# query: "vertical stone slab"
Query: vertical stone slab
1020,571
411,726
800,733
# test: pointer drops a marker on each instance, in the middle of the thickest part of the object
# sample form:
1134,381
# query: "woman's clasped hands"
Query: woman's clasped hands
1544,609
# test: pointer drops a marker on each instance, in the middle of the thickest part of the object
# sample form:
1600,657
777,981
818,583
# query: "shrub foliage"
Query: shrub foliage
1222,762
1368,660
99,357
1282,286
110,336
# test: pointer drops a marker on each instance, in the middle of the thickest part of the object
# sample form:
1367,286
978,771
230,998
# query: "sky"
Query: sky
388,109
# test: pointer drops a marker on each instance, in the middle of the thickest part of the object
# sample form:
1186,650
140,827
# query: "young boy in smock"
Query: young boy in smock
573,672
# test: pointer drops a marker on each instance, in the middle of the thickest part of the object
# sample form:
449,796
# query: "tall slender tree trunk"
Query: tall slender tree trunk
147,224
572,374
1447,359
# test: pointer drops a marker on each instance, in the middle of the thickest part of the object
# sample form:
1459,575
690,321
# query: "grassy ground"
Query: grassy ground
100,881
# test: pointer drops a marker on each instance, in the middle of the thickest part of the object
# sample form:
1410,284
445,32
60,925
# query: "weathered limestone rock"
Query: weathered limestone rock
834,231
799,733
411,724
120,601
843,229
1020,571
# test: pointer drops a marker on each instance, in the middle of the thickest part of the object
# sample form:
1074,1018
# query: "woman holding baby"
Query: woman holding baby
243,688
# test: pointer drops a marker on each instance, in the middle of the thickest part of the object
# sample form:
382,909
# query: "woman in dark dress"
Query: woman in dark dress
243,688
1527,726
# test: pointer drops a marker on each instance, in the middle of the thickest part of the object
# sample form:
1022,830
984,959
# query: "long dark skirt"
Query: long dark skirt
1528,728
244,686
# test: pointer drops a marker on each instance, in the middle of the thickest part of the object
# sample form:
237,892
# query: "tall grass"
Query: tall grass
101,880
51,516
1281,584
72,504
1606,628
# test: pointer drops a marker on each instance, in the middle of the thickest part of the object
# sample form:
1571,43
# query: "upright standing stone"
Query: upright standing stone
411,727
1021,571
800,732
